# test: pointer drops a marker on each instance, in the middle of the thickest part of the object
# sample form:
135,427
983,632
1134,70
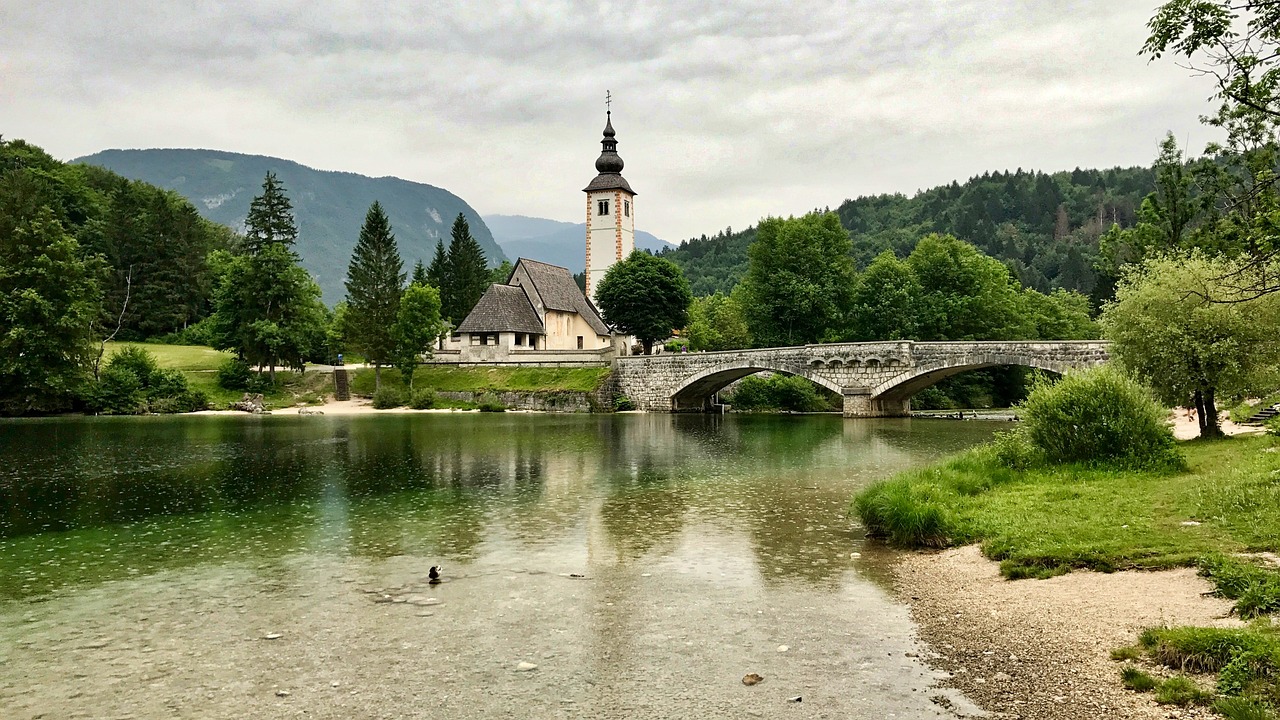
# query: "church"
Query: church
539,315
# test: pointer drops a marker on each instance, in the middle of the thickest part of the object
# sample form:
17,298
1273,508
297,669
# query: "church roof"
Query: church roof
503,308
555,285
609,181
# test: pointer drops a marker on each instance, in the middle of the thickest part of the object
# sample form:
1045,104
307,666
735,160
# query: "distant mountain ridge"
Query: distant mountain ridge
329,206
554,241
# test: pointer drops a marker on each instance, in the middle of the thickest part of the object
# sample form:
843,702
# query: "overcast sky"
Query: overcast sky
725,111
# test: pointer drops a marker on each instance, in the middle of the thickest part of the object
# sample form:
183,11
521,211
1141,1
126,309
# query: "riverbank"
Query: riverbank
1040,648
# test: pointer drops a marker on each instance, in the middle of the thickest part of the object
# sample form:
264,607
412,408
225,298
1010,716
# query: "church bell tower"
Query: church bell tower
611,212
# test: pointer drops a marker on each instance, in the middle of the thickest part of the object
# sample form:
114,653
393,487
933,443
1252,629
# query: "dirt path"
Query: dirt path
1039,648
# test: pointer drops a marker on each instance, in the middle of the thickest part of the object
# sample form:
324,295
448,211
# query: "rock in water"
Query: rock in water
752,679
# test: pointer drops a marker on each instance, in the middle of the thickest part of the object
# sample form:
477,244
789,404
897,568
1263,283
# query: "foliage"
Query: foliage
48,302
423,399
1272,427
966,295
885,301
502,273
234,374
466,275
1099,416
419,275
417,327
1049,519
487,379
1181,691
622,403
375,278
490,403
779,392
132,382
645,296
717,322
267,308
388,397
1255,589
1137,680
1247,661
798,280
270,219
1170,327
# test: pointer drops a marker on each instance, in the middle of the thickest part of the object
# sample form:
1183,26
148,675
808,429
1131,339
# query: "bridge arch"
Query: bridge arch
902,387
693,392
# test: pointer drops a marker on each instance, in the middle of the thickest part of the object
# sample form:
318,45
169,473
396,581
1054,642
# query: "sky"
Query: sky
725,112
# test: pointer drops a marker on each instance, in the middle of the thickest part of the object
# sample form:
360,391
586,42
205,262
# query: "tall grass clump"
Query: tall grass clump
1099,416
1255,589
1246,660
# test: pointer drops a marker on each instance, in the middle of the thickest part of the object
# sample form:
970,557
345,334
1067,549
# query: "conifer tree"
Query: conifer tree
467,273
437,277
270,218
419,276
375,280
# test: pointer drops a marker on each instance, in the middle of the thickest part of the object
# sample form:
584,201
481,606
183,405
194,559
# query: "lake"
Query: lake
595,566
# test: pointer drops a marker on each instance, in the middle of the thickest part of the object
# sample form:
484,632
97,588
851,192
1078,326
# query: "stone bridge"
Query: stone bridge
876,379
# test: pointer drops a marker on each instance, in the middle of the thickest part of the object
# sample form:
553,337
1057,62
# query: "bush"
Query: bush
118,391
1015,450
490,403
1100,416
132,383
389,397
423,399
234,374
778,392
622,403
137,360
1272,426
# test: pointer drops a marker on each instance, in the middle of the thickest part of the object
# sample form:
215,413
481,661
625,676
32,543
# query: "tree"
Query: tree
798,280
1179,328
645,296
885,301
270,220
717,322
49,300
419,276
501,273
466,272
418,324
966,295
375,280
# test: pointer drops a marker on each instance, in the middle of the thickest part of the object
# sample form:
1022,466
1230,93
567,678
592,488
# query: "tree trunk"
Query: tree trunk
1210,427
273,374
377,377
1200,410
648,347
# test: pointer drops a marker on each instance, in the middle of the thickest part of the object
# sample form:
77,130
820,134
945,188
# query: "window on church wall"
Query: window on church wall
519,339
626,208
602,207
579,342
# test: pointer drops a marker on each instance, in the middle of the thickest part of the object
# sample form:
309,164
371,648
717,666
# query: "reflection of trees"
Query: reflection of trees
642,511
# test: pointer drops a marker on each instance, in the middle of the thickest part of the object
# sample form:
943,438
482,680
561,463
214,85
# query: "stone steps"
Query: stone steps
341,385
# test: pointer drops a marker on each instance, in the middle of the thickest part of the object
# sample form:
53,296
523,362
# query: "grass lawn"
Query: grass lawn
1049,520
501,379
187,358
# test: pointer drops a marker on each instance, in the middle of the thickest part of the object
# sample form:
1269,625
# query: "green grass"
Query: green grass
502,379
1048,520
188,358
1181,691
291,388
1255,589
1137,680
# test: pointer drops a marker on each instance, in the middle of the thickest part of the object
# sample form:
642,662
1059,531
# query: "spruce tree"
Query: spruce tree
270,218
467,271
419,276
375,280
437,277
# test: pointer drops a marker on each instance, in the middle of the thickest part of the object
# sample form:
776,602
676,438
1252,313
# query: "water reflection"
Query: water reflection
748,499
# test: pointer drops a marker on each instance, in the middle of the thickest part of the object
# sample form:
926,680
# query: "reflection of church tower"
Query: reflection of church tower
611,227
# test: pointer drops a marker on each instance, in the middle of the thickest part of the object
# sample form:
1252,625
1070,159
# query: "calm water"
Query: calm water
643,563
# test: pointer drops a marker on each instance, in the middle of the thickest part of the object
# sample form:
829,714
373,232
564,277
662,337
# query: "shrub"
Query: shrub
137,360
778,392
1100,416
1272,426
490,403
389,397
1015,450
118,391
622,403
234,374
1137,680
423,399
188,401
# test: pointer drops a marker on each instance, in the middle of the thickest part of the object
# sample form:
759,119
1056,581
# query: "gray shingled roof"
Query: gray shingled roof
503,308
609,181
558,291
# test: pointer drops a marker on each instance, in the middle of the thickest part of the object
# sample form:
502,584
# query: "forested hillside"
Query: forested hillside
153,241
329,206
1045,227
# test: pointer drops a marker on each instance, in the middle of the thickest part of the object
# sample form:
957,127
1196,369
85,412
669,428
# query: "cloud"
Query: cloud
725,111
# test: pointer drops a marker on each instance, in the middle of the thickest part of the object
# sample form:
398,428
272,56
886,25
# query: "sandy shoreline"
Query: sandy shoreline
1040,648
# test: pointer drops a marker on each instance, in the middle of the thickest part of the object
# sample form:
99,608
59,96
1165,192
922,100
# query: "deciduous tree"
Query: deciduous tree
418,324
645,296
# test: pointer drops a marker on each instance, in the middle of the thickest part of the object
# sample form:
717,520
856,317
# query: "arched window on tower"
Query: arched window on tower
602,207
626,208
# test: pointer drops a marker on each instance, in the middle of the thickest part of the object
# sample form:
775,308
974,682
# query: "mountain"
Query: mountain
329,206
553,241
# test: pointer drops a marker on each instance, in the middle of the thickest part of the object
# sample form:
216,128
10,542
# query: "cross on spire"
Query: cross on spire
608,102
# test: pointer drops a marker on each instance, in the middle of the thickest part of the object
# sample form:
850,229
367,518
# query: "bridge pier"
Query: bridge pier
858,403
